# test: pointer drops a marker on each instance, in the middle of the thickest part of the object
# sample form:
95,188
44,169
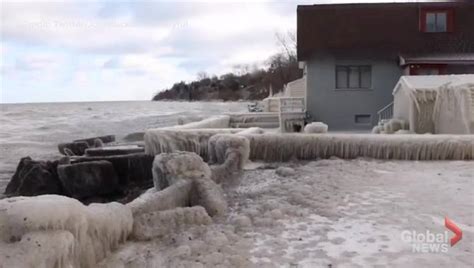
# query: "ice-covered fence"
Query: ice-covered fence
191,140
284,147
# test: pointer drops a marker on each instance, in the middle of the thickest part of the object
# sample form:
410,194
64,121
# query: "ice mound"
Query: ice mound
95,229
170,167
316,127
160,223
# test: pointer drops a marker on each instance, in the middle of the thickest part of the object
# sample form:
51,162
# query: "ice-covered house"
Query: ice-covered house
438,104
354,54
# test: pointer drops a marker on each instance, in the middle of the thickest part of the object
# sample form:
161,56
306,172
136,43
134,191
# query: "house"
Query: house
354,54
438,104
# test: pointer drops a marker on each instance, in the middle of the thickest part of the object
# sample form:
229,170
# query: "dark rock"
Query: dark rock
114,150
131,169
88,179
34,178
91,141
77,148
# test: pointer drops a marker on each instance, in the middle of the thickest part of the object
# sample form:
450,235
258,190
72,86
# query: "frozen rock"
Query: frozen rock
149,225
91,141
167,168
34,178
316,127
114,150
285,171
176,195
208,194
131,169
88,179
73,148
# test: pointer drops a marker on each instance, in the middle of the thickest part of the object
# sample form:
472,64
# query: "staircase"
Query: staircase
385,114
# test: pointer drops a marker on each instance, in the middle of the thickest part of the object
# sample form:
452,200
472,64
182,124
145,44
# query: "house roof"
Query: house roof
385,27
451,58
431,82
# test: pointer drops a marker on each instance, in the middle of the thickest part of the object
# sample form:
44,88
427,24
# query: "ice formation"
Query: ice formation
316,127
252,130
221,121
80,235
160,223
190,140
453,110
208,194
394,125
176,195
230,153
284,147
170,167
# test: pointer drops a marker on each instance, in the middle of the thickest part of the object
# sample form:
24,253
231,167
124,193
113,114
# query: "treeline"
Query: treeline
246,82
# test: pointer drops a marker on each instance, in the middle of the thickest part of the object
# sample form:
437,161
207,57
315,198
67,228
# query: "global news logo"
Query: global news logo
429,242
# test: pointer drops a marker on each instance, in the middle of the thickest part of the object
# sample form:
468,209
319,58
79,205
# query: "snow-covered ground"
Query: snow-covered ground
329,213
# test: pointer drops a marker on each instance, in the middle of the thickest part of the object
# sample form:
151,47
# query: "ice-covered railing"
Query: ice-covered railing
284,147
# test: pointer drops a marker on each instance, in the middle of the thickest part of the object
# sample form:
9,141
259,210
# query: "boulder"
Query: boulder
114,150
92,141
77,148
34,178
88,179
131,169
169,167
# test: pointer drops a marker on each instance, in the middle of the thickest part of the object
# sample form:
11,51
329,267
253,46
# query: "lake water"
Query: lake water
35,129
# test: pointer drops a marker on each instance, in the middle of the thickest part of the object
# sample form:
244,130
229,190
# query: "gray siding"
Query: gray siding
337,107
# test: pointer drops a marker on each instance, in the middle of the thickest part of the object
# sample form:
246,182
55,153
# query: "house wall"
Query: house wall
338,107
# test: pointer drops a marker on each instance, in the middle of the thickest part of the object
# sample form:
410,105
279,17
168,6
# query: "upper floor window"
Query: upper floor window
353,76
436,21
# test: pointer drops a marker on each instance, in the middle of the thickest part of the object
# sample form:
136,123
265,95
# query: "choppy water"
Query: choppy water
36,129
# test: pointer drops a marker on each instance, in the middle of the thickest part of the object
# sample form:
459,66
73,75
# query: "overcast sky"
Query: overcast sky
117,50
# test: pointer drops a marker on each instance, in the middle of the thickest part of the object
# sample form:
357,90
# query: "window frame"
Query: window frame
423,20
347,69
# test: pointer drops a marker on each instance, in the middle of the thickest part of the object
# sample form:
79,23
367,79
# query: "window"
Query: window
362,119
353,77
436,21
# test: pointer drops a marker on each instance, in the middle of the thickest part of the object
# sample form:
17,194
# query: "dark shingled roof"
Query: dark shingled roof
381,27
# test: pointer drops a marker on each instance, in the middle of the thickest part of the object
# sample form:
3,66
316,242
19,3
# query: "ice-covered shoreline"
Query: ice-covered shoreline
291,213
344,213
